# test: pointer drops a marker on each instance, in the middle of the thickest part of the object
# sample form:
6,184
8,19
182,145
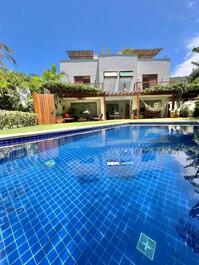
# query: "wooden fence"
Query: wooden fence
44,107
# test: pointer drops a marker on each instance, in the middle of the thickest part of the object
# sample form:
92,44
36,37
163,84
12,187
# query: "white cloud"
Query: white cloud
186,67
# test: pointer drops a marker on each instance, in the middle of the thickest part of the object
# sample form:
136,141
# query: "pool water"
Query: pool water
124,195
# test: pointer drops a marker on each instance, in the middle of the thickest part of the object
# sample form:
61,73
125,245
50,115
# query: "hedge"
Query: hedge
15,119
196,111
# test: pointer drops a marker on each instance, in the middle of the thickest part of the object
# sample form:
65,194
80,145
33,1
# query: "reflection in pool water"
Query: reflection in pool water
86,199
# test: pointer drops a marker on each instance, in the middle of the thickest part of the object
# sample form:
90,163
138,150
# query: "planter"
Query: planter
174,114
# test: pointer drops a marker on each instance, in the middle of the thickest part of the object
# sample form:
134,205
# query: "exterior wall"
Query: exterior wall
78,68
117,63
96,68
153,66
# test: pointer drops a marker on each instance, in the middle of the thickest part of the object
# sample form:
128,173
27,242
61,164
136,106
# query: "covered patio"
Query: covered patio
134,105
69,102
81,108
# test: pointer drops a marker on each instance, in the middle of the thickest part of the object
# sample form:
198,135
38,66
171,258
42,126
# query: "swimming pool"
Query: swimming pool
124,195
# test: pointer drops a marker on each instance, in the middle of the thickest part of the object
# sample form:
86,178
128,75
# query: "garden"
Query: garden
16,92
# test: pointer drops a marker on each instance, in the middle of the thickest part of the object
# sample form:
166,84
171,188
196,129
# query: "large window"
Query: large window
149,80
125,83
84,79
110,79
87,106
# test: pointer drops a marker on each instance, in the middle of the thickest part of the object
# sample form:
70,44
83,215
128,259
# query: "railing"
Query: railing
141,86
98,85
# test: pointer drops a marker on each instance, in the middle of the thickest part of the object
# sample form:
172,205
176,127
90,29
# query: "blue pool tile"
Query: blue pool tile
81,210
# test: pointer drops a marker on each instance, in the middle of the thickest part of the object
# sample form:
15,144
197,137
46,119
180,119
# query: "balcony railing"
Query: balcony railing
138,86
98,85
141,86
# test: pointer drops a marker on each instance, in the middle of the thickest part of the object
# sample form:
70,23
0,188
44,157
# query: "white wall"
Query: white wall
117,63
96,69
153,66
71,69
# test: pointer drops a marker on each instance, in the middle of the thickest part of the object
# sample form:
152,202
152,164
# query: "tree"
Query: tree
51,74
14,91
196,50
194,76
5,52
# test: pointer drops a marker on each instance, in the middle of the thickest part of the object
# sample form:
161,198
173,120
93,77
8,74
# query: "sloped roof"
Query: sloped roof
80,54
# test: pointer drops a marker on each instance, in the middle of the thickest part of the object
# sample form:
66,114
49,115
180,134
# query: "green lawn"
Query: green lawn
58,126
82,124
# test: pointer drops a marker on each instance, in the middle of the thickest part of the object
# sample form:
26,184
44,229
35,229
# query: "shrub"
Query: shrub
61,87
13,119
196,111
184,111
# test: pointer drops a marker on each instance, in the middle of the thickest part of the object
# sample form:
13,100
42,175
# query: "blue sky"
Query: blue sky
40,31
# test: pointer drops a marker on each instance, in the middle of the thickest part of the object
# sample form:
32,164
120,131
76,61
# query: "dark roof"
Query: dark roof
80,54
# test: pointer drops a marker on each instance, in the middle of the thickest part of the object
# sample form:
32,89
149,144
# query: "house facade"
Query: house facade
121,77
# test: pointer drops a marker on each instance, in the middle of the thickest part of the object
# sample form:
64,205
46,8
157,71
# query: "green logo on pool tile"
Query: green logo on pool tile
50,163
146,245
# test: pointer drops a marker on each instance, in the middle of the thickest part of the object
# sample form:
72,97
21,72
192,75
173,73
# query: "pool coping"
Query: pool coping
9,139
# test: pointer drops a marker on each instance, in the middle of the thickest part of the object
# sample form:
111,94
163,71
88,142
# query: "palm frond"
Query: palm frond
6,48
195,49
2,64
195,63
9,58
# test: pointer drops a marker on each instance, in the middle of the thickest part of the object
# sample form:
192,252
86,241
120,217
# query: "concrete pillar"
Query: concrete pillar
102,107
117,82
138,105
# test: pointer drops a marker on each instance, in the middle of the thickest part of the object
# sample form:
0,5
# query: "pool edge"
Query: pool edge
7,140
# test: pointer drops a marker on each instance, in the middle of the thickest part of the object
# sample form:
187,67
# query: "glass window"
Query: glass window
82,79
126,74
110,74
125,84
109,84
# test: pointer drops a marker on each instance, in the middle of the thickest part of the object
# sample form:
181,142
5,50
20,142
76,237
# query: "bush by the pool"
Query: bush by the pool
15,119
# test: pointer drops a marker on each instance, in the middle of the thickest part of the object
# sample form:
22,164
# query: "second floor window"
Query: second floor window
125,83
110,79
83,79
149,80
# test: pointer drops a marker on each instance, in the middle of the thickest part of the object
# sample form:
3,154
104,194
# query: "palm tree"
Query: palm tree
197,51
5,52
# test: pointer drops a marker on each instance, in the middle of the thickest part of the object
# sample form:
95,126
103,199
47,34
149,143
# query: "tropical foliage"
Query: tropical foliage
194,77
184,112
16,88
190,87
196,111
5,54
176,87
14,92
58,87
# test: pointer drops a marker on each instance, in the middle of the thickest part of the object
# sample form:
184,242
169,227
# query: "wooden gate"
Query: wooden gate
44,107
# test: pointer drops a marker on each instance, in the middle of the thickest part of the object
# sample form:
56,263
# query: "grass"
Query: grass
60,126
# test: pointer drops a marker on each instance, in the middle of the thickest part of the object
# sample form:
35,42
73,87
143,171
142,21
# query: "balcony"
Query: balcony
98,85
141,86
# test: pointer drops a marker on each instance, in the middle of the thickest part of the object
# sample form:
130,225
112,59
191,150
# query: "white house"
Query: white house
121,77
